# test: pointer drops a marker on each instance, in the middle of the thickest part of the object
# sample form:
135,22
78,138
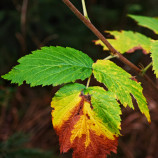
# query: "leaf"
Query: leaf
86,120
154,55
127,41
149,22
118,81
51,65
106,108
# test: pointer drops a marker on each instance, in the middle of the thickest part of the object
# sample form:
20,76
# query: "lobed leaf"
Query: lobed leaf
51,65
86,120
127,41
106,108
149,22
154,55
118,81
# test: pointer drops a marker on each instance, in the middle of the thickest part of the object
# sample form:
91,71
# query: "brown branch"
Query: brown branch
99,35
23,17
104,40
22,36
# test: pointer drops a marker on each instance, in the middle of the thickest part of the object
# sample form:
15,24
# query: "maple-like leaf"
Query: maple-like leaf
154,55
127,41
118,81
86,120
51,66
149,22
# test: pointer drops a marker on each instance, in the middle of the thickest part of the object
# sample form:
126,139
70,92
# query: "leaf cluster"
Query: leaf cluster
81,114
86,119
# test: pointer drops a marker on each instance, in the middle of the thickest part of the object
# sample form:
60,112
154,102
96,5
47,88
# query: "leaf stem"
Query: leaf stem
84,10
143,71
88,81
110,57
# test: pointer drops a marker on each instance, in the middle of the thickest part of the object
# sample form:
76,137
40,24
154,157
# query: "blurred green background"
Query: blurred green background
25,113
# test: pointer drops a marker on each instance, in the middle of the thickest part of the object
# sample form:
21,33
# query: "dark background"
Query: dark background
25,113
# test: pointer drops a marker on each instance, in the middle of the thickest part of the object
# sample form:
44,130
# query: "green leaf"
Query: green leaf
154,55
127,41
106,108
118,81
149,22
51,65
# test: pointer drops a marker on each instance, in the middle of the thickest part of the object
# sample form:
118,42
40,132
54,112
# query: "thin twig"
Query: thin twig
22,35
23,17
105,41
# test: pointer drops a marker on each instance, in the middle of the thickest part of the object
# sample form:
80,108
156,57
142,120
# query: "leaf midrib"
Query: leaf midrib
36,66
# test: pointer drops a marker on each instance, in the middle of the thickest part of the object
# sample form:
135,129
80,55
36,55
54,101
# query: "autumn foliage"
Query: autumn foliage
79,128
87,119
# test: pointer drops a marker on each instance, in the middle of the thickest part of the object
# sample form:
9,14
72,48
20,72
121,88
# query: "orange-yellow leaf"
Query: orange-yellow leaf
78,126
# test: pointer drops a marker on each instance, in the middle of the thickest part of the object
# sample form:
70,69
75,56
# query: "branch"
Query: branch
23,17
22,37
105,41
99,35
